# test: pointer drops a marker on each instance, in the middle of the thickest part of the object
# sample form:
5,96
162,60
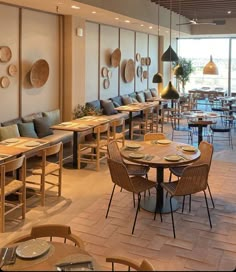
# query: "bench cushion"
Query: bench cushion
9,132
42,126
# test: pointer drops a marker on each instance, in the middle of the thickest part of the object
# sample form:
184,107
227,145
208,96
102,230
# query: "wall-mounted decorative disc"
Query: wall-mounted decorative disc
116,57
39,73
12,70
148,61
104,71
5,82
138,57
5,53
129,70
106,83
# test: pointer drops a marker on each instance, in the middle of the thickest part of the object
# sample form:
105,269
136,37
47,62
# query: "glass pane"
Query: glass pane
199,51
233,67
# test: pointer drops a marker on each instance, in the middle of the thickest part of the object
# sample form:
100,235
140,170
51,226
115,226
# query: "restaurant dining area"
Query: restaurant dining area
117,142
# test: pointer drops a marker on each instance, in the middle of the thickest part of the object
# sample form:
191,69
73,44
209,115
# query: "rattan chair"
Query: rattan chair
45,169
145,265
52,232
132,168
118,130
134,184
180,129
12,175
193,180
206,150
95,150
154,136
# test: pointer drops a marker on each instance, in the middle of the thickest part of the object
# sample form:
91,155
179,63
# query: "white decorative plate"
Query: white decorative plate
32,144
164,141
136,155
12,140
133,145
32,248
173,158
189,148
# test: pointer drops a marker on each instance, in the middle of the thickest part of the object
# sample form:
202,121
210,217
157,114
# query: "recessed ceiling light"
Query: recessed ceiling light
75,7
94,12
150,27
141,25
229,12
127,21
116,18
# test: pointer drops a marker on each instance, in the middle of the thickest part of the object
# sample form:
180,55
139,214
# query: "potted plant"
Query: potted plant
84,110
182,71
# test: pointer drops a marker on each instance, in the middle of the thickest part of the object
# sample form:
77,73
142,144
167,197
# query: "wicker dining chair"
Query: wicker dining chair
193,180
145,265
154,136
51,232
132,168
206,150
45,169
11,184
134,184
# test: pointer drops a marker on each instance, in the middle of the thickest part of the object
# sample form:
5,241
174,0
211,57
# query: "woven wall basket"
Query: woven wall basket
39,73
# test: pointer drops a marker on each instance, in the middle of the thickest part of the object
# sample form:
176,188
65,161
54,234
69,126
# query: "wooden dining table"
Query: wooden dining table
136,107
83,124
159,154
58,253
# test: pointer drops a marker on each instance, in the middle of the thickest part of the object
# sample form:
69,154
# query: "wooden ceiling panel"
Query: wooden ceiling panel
201,9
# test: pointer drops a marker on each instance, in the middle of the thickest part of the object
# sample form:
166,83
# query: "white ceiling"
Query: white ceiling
64,7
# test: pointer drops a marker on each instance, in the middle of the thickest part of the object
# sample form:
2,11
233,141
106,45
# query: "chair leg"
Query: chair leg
139,198
209,217
183,203
108,208
212,201
172,216
134,199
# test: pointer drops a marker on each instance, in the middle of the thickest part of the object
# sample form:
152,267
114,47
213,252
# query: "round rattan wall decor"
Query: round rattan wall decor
12,70
39,73
5,53
116,57
129,70
4,82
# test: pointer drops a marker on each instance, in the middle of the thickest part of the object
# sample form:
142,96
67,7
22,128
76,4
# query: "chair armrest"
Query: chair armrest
123,260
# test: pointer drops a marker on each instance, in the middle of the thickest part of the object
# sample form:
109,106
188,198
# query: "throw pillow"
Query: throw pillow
134,100
54,116
154,92
31,117
42,126
140,97
148,95
116,104
126,100
108,107
9,132
27,130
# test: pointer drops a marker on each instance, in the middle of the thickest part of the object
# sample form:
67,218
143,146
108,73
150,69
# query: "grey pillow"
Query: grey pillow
134,100
154,93
148,95
126,100
54,116
116,104
27,130
108,107
9,132
42,126
140,97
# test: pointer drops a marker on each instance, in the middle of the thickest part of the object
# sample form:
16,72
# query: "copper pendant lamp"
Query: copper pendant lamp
157,78
210,68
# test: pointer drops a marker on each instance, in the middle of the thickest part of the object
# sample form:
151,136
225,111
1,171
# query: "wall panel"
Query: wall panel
109,41
40,40
153,53
9,33
127,47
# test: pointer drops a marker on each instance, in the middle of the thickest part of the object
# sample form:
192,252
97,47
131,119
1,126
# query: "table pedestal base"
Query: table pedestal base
148,203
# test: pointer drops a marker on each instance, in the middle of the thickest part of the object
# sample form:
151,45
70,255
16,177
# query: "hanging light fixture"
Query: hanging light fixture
178,70
170,92
210,68
157,78
169,54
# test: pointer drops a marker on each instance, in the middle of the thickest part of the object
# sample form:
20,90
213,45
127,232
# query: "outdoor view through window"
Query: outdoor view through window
199,52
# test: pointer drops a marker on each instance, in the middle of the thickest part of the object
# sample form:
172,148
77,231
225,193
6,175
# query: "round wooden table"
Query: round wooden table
57,254
154,156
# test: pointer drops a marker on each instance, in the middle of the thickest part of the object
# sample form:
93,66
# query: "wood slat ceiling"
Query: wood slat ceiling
201,9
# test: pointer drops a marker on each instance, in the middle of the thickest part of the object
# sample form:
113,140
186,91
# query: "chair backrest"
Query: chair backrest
119,175
206,150
154,136
50,231
103,129
117,123
14,164
114,151
146,266
193,180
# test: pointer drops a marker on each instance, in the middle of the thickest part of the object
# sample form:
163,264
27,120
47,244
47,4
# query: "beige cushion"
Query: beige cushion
54,116
9,132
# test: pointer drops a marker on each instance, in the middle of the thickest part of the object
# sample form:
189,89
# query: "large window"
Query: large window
199,51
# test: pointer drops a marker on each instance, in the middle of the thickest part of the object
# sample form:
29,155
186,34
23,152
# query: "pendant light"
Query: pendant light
169,54
178,70
157,78
210,68
170,92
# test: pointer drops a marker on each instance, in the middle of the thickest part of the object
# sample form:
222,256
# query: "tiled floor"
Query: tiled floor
83,205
